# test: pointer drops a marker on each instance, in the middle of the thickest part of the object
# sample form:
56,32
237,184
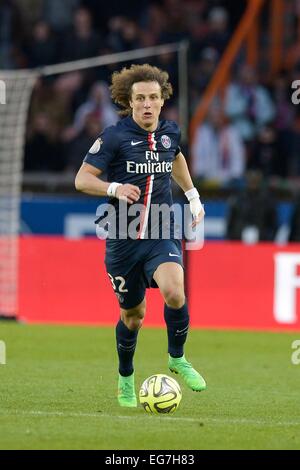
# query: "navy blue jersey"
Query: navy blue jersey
130,154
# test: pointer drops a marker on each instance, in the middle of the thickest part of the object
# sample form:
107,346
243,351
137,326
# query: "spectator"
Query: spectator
202,72
153,22
42,48
218,151
11,32
31,11
82,41
98,106
124,34
219,33
52,100
252,215
169,63
58,14
198,32
43,152
176,27
248,104
266,157
103,11
283,122
82,142
285,112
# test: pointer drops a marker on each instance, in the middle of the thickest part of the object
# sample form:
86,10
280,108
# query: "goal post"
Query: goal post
16,88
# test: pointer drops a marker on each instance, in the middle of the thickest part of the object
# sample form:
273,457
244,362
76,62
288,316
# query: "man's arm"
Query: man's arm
87,181
181,175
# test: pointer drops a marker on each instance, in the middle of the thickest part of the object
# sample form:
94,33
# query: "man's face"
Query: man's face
146,103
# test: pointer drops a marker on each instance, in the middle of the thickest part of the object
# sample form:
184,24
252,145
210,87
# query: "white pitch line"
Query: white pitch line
205,420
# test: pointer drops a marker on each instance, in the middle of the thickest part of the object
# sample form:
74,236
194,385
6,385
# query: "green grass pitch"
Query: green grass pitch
58,391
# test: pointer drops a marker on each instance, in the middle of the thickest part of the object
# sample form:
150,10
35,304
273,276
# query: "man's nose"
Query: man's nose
147,104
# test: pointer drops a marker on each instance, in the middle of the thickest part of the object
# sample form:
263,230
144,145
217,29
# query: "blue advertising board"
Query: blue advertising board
74,217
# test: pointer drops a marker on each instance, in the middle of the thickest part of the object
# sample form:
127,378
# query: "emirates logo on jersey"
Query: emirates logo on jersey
151,141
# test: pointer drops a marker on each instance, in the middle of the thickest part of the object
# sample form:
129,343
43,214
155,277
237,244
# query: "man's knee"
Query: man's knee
174,296
134,317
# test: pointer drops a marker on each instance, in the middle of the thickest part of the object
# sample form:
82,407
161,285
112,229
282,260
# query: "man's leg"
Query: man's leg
170,280
126,336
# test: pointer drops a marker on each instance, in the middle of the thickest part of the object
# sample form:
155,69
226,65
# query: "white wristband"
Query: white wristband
192,194
112,188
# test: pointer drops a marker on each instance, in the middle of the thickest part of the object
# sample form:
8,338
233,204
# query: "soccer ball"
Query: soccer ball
160,394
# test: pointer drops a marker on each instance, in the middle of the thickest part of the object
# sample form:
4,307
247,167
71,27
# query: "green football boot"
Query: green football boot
191,377
126,391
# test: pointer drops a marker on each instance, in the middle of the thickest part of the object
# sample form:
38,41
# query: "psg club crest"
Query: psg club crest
166,141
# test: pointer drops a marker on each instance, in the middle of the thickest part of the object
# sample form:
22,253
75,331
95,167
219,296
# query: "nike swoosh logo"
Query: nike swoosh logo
183,331
136,143
171,254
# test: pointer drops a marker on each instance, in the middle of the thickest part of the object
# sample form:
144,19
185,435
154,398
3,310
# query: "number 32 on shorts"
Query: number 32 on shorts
121,285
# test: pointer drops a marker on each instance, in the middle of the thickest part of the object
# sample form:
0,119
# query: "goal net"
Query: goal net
16,88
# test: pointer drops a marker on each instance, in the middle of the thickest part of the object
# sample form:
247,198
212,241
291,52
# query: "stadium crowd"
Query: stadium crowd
255,127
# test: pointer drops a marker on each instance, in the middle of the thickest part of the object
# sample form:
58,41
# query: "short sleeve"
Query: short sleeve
103,150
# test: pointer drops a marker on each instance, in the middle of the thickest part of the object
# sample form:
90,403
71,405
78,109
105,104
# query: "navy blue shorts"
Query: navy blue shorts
130,265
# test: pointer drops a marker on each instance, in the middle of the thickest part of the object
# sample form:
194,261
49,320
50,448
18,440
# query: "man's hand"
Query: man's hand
197,211
196,207
128,193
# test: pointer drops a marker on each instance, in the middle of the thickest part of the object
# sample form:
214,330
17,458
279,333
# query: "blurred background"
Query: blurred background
249,136
243,141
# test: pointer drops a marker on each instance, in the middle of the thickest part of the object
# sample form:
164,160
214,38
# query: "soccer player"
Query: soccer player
140,154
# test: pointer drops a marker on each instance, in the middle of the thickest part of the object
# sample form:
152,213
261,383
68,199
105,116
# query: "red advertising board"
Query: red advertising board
64,281
230,285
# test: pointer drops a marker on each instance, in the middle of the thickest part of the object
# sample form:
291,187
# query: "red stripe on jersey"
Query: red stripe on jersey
151,141
145,206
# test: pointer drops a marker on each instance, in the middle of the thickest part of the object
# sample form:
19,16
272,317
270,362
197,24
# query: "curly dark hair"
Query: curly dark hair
121,88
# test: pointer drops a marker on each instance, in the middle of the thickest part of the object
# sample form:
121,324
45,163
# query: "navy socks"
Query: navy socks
126,344
177,322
